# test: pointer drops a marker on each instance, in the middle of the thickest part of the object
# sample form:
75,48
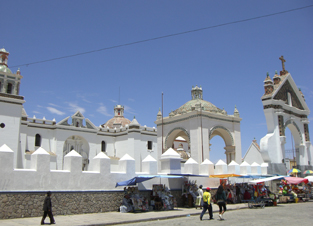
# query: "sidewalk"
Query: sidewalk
115,218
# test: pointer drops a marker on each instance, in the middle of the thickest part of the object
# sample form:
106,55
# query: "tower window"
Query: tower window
149,145
103,146
9,88
37,140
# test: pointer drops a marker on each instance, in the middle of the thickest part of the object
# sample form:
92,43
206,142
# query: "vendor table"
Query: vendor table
304,197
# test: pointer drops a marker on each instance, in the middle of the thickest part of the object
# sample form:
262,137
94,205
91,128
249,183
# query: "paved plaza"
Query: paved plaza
237,214
283,214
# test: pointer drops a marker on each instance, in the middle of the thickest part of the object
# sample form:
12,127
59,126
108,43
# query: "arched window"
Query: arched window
103,146
77,124
0,86
37,140
9,88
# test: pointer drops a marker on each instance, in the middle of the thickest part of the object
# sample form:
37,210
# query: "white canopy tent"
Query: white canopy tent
266,179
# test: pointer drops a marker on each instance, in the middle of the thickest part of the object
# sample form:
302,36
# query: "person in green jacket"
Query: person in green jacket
207,203
221,200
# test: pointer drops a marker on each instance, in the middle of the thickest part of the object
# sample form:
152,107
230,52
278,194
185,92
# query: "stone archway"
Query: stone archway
80,145
178,131
225,134
297,138
183,149
194,120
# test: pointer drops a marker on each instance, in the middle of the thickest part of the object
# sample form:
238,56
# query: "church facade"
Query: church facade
23,134
188,129
196,122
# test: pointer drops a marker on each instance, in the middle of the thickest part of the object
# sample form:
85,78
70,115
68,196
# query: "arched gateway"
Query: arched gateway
285,107
197,122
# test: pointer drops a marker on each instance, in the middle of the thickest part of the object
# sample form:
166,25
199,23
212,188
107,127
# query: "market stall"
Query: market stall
291,191
189,193
160,198
133,201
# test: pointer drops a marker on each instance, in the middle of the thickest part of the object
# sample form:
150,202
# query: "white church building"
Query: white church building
179,144
23,134
193,124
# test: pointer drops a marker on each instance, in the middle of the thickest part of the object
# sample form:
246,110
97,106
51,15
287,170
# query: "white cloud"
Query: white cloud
130,99
84,98
54,105
73,107
103,110
129,110
114,101
55,111
36,112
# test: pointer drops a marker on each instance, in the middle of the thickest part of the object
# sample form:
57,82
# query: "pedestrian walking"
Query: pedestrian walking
207,203
221,200
199,200
47,208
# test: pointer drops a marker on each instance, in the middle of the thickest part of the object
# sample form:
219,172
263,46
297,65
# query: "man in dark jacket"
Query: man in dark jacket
47,208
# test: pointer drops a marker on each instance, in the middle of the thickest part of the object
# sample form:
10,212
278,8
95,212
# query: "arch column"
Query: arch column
5,84
301,155
14,88
1,85
282,145
230,153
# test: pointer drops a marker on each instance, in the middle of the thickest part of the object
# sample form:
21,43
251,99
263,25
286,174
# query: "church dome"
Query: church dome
118,120
196,103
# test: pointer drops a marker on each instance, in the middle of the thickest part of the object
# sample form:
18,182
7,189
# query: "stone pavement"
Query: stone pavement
115,218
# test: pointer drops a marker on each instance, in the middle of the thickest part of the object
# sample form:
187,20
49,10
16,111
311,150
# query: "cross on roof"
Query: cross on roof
282,62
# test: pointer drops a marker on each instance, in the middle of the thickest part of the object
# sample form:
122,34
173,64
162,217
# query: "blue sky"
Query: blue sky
229,62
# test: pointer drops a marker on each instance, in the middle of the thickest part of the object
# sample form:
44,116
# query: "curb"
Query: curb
159,218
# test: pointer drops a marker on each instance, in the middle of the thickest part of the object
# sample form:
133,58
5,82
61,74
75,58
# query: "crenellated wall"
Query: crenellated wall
100,177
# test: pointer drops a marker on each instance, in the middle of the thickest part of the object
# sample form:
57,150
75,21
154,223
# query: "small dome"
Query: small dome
4,68
276,76
3,50
268,79
183,154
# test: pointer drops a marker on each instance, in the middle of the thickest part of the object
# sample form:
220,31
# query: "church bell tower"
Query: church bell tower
11,106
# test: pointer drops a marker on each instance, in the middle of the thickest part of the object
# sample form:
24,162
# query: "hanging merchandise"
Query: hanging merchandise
133,201
189,193
162,199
